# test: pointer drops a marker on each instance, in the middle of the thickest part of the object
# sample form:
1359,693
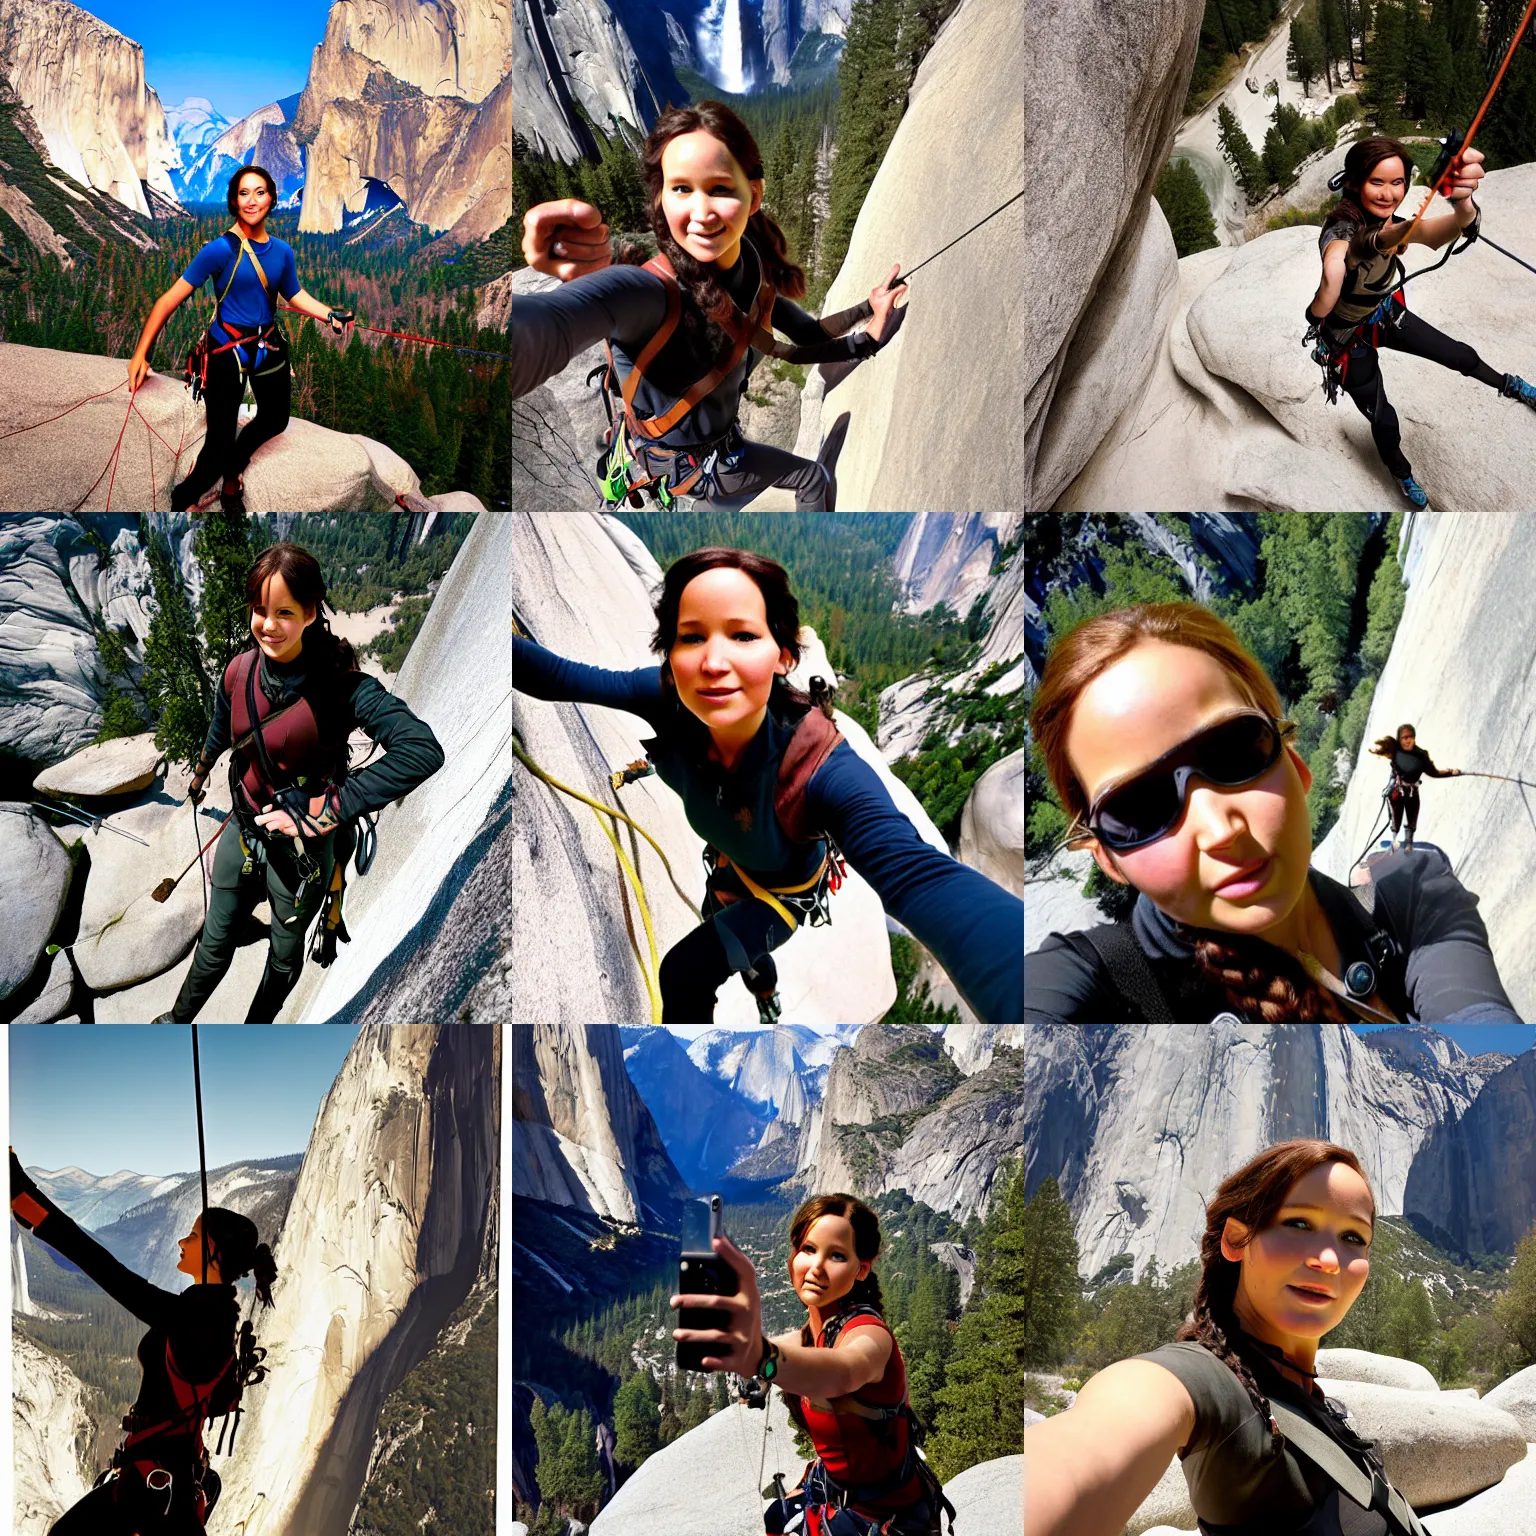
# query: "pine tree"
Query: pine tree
1239,153
176,685
1186,208
635,1419
222,546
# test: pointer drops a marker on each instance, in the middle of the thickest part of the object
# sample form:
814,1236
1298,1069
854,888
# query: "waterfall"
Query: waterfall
730,49
718,33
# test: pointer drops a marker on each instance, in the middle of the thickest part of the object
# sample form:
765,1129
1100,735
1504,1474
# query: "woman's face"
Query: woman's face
1385,186
706,196
723,657
1405,740
825,1267
1155,697
278,621
192,1252
252,199
1320,1240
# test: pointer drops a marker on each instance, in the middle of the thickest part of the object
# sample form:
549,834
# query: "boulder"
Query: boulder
1031,1417
1506,1509
1167,1504
126,937
457,501
32,895
990,1497
229,1004
1381,1370
123,766
53,1000
392,475
992,824
1517,1396
1435,1447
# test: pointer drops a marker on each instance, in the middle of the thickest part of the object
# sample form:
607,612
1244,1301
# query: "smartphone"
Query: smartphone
700,1271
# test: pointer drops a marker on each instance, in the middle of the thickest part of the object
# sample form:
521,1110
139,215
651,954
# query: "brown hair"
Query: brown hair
1253,1195
1262,983
1363,158
304,578
1387,745
232,196
700,280
237,1247
779,601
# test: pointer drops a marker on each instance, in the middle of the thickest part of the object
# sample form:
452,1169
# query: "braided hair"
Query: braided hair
1253,1196
1262,983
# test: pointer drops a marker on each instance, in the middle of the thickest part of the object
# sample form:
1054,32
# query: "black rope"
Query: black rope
202,1154
971,231
1502,252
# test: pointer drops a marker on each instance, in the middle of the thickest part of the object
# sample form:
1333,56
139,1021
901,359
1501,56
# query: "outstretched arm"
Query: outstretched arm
543,675
35,1211
973,926
549,329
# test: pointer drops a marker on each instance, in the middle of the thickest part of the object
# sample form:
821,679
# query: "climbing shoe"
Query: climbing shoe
1413,491
768,1008
1515,388
165,1018
232,501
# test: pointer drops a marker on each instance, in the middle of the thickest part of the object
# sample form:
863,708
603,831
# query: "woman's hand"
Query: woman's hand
339,320
1466,173
566,239
882,299
319,821
138,368
739,1347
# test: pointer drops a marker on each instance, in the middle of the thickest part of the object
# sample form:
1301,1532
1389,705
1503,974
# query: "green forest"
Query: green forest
1474,1329
447,413
963,1364
1320,618
796,129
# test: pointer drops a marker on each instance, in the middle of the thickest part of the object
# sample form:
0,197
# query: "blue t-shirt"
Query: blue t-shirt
247,305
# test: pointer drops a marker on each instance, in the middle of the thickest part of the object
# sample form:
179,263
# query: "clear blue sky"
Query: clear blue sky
1474,1039
115,1096
238,59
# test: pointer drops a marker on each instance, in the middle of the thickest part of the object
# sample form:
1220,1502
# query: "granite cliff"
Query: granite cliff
263,137
50,1422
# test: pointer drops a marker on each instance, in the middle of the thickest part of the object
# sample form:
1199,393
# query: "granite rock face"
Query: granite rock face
263,137
123,766
50,1421
37,872
992,824
1517,1396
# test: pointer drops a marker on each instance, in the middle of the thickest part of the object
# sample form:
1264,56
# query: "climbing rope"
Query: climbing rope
974,227
403,335
202,1153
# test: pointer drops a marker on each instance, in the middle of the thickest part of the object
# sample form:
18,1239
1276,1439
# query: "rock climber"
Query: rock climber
288,703
1409,765
1235,1401
842,1376
766,778
1359,308
1164,742
160,1483
686,329
243,343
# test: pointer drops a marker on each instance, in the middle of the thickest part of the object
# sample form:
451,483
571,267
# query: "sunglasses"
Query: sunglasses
1234,751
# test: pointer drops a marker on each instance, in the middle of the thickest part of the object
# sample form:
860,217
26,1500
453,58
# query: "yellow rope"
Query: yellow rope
651,972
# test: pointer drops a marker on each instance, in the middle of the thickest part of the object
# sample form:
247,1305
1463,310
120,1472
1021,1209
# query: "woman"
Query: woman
250,269
1164,742
288,703
1409,765
1358,309
160,1483
1285,1254
842,1375
686,329
767,781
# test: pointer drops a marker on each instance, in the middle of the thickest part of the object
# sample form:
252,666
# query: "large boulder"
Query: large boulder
32,895
1435,1447
1506,1509
1517,1396
231,998
123,766
992,824
1381,1370
990,1497
53,1001
1167,1504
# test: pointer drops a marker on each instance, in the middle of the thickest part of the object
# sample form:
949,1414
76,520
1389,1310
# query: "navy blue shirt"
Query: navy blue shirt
247,305
1450,975
974,927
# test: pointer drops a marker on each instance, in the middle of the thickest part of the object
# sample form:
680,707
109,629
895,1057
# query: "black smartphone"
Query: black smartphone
702,1272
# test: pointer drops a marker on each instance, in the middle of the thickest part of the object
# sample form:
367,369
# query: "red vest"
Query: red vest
295,741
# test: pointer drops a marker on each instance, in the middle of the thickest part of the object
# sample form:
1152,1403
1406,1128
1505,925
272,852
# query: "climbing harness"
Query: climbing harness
250,367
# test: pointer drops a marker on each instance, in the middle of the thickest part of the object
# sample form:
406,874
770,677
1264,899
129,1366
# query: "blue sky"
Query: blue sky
119,1096
239,60
1474,1039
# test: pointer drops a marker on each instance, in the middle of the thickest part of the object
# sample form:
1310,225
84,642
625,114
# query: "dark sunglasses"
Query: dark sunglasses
1234,751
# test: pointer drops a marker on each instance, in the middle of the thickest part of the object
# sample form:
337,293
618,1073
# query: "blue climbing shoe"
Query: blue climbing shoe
1413,491
1515,388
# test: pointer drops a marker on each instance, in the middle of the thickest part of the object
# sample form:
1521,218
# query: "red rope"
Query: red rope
62,414
410,336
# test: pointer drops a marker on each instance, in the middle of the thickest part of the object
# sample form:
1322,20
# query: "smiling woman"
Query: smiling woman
1165,742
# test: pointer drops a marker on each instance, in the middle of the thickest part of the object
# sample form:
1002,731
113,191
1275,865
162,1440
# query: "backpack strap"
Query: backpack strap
1370,1491
1121,955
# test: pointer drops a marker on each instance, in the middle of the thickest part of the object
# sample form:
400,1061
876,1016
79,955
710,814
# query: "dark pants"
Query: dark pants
1404,800
133,1510
1363,381
224,456
275,874
761,466
735,936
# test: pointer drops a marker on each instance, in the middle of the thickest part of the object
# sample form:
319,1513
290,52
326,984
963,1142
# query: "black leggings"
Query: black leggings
99,1513
1404,799
224,456
734,936
815,489
1362,377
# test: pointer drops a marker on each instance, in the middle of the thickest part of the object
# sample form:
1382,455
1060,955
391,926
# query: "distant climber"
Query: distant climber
770,784
243,341
1359,307
1409,765
686,328
287,704
842,1376
159,1482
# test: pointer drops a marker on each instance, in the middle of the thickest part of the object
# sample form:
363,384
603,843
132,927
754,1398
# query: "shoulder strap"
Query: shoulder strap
1123,958
813,742
246,249
1371,1491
